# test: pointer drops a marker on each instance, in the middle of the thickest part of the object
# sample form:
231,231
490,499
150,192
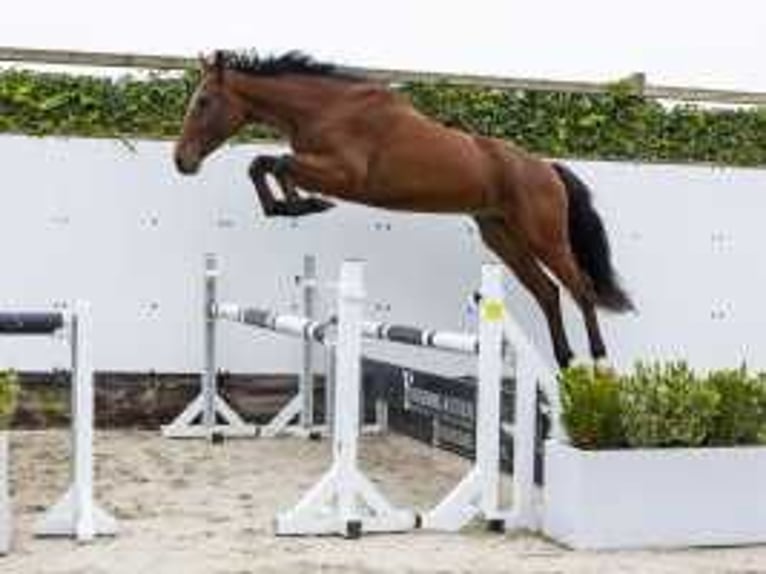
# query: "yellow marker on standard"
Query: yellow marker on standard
493,310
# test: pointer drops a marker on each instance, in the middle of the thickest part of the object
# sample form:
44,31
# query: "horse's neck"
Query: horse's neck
284,101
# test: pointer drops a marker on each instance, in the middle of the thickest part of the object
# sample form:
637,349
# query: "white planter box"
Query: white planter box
654,497
5,499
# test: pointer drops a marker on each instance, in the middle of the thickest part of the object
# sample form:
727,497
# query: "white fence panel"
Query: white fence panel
97,220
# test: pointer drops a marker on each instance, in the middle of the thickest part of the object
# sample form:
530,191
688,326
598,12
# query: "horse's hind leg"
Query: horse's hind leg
540,215
514,253
561,261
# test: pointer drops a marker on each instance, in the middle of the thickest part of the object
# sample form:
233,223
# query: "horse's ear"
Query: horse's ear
212,64
217,65
204,62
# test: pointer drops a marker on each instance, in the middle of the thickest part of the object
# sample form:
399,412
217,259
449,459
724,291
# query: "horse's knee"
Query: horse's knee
281,166
255,170
261,165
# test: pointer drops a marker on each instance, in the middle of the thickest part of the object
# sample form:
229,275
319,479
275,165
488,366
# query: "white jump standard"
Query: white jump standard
200,419
75,514
344,501
209,415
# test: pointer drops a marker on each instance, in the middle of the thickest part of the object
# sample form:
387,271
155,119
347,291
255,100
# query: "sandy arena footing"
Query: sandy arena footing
193,508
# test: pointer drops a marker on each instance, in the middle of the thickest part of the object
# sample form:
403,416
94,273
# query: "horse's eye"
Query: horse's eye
203,103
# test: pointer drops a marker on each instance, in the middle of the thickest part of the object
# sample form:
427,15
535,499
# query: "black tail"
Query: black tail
590,244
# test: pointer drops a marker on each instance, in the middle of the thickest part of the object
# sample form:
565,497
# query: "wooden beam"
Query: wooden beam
162,62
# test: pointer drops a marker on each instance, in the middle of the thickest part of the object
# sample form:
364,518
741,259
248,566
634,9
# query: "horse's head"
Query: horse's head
212,116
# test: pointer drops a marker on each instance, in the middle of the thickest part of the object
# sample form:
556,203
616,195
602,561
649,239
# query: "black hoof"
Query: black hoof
298,208
318,205
278,209
496,525
306,206
564,359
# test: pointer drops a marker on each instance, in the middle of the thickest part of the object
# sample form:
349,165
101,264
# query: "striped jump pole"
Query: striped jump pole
464,343
311,332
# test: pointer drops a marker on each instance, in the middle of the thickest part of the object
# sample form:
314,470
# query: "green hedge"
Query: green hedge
663,405
617,125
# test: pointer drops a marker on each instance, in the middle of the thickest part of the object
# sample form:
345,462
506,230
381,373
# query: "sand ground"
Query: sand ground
187,507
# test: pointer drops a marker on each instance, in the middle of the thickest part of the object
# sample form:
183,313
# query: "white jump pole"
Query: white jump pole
209,375
344,501
301,406
5,498
76,514
306,381
477,494
531,373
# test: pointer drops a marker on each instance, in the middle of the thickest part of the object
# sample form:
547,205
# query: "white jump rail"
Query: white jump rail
76,513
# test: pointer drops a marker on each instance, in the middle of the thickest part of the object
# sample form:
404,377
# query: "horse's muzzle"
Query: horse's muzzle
185,165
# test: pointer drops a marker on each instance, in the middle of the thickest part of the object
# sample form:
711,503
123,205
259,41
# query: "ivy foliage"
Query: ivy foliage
619,124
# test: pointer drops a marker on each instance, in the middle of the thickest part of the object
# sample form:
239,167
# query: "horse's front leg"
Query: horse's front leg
327,174
293,204
260,167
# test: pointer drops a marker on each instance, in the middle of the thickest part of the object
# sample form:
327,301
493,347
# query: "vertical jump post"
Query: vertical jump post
306,380
209,415
344,501
76,514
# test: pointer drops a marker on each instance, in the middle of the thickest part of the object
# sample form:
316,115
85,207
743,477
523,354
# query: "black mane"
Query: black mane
295,62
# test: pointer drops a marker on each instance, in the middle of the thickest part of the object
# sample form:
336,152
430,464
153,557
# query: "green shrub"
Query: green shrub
665,405
591,407
9,392
741,413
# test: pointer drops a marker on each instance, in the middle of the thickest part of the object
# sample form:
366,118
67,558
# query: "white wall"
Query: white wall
99,221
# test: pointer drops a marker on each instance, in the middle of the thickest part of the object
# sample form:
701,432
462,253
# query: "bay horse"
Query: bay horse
358,141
